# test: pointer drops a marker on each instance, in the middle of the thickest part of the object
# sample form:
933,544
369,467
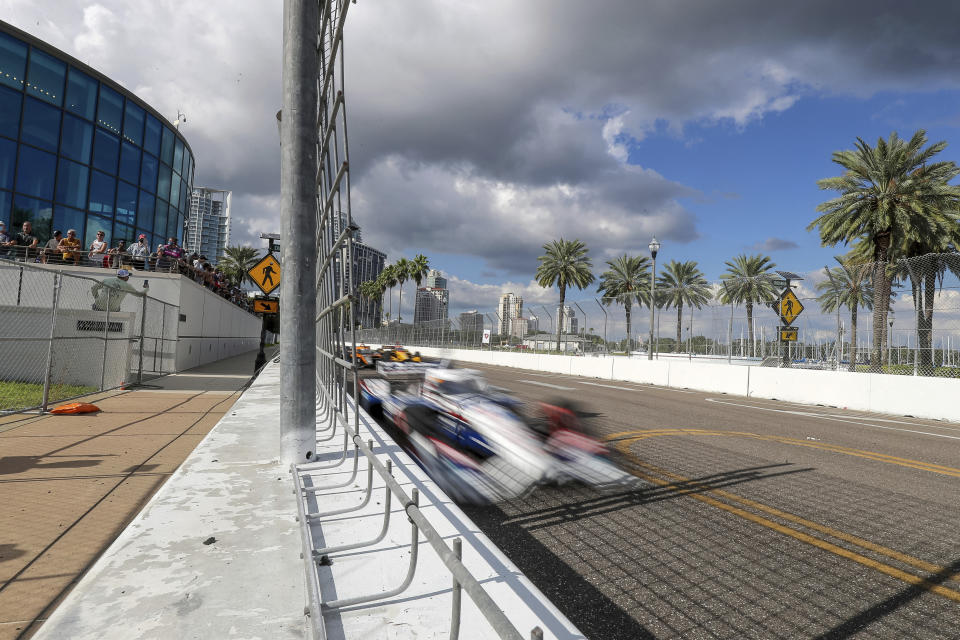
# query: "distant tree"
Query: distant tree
419,268
682,283
890,195
748,280
402,269
236,262
388,280
565,264
847,286
370,290
625,282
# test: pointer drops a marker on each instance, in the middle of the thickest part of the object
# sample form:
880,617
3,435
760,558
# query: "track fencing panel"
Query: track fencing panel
63,335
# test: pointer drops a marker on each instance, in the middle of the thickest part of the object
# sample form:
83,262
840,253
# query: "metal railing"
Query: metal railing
319,81
64,336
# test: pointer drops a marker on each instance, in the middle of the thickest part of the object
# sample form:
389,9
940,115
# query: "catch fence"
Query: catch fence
64,335
917,333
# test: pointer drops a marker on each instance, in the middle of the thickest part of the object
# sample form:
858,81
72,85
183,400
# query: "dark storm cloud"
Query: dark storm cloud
773,244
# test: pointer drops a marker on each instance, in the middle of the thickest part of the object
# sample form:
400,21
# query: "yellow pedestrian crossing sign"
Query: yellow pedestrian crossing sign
789,307
266,274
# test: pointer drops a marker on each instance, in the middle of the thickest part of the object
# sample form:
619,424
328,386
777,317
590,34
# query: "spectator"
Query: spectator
5,241
172,253
70,246
98,251
111,291
118,254
51,250
140,254
25,240
158,262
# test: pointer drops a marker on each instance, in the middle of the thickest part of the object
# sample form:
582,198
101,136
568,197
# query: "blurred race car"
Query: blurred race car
399,354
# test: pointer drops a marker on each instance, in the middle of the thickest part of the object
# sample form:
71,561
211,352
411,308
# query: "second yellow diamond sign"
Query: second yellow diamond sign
266,274
789,307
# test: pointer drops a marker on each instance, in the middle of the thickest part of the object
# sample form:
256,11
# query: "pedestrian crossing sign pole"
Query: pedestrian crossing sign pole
789,308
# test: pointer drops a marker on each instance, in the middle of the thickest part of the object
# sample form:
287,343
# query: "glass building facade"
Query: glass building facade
77,151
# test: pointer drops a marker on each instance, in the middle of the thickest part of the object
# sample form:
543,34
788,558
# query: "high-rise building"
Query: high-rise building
512,322
471,321
368,263
568,323
432,300
208,223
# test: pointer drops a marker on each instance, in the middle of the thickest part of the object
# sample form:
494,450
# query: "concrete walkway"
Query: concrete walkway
70,484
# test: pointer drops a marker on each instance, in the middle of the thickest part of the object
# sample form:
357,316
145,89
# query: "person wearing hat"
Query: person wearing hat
51,250
139,252
109,293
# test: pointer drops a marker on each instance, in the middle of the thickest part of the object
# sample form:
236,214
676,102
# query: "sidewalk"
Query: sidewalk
70,484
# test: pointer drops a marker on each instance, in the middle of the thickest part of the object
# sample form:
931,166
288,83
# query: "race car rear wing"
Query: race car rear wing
401,371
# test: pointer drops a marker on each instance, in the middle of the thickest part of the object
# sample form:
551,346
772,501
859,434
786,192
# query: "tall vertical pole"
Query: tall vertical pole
143,327
106,339
298,231
653,297
57,278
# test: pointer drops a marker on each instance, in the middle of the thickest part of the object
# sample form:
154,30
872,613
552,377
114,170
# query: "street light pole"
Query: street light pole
654,247
605,349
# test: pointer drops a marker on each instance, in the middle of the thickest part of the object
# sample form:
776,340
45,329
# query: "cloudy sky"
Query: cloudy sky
482,129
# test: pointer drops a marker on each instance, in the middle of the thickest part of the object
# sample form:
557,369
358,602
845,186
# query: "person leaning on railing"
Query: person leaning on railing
51,250
172,254
118,255
98,251
25,241
70,246
140,254
5,241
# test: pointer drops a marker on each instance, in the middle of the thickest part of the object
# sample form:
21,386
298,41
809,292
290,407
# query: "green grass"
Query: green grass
23,395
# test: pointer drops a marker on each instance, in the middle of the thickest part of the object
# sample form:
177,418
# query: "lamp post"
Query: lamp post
889,338
654,247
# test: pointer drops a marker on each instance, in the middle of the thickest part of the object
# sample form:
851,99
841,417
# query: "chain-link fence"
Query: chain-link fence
842,321
63,335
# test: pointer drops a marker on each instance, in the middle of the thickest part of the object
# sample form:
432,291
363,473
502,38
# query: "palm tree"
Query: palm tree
402,270
847,286
565,264
627,280
683,283
890,195
236,262
370,290
419,268
388,280
748,280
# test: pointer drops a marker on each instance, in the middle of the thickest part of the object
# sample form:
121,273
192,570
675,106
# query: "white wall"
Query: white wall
921,397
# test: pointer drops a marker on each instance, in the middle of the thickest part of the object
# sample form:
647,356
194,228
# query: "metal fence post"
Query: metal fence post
143,330
106,338
57,278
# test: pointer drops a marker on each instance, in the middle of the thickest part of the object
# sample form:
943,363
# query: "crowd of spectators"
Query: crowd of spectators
166,258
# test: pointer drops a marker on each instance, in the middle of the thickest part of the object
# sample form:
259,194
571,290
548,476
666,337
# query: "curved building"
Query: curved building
78,151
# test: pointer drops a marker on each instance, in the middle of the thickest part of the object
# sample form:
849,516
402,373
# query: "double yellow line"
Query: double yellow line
712,496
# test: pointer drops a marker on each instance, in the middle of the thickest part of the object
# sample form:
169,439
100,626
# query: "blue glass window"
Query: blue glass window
166,146
81,94
45,77
174,225
106,152
13,61
72,183
178,156
184,197
35,172
10,112
94,224
160,218
8,160
148,173
41,124
175,191
129,162
133,123
151,135
5,199
65,218
110,109
76,141
163,182
126,203
102,192
38,212
123,232
145,211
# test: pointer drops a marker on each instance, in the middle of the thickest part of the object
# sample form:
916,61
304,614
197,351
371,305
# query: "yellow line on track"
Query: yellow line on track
909,578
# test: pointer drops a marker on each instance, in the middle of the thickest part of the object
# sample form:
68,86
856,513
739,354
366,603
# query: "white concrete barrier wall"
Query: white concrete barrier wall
918,396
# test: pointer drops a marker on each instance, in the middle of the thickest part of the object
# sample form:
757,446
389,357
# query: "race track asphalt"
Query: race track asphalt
758,518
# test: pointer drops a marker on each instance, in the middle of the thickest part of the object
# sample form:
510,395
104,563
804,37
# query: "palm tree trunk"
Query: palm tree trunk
750,324
400,306
853,338
629,334
676,348
560,314
926,326
881,298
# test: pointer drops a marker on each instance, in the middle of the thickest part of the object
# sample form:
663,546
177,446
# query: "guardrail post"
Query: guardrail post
455,615
53,328
536,634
